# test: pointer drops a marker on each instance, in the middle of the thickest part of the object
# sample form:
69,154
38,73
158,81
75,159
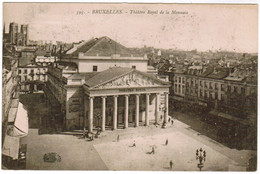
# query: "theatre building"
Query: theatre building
114,97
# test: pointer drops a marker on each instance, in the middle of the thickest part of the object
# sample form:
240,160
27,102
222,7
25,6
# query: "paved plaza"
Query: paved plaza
180,149
106,153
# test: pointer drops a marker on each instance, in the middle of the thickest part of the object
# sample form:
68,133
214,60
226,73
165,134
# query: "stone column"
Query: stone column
137,110
126,111
85,112
103,127
115,113
166,107
157,105
91,108
147,110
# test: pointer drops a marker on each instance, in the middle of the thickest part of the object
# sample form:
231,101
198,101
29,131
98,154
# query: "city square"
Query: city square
78,153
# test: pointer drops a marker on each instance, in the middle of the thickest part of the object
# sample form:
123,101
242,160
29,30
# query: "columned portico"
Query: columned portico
90,126
166,108
147,109
137,110
130,100
126,111
115,113
103,127
157,105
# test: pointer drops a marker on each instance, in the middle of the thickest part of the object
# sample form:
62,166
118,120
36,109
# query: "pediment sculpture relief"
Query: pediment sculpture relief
130,80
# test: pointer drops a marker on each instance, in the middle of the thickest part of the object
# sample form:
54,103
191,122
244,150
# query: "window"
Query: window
210,85
222,87
95,68
19,71
243,90
235,89
25,71
216,86
229,88
216,95
133,67
32,71
25,78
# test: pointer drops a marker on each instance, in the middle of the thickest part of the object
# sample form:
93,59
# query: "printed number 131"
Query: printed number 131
80,12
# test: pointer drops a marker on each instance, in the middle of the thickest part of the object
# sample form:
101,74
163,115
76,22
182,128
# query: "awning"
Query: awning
21,122
11,146
227,116
12,115
13,110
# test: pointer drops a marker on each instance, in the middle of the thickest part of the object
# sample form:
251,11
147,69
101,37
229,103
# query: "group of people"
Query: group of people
91,135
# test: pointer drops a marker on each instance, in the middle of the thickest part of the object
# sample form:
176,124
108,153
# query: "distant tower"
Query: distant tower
13,32
24,34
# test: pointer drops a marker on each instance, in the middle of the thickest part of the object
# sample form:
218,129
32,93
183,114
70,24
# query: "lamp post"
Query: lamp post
201,157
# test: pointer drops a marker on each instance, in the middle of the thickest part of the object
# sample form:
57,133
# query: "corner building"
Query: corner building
119,95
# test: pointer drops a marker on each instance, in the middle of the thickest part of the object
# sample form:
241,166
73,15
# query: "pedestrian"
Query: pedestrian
153,150
169,119
134,144
84,133
161,117
117,138
172,121
166,143
171,164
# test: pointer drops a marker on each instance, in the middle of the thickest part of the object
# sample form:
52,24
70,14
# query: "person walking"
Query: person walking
84,133
172,121
171,164
117,138
169,119
153,150
166,142
134,144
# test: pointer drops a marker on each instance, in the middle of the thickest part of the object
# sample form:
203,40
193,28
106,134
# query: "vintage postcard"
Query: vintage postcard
129,87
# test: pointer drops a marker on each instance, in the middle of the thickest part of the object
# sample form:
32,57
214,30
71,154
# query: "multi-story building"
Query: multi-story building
14,117
27,55
100,83
45,60
215,88
32,77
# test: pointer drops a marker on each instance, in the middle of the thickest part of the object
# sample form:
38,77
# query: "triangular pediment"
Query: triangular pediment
132,79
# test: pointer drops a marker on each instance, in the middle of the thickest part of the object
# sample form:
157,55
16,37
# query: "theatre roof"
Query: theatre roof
103,46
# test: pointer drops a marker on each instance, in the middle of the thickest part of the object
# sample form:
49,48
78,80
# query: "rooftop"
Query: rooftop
103,46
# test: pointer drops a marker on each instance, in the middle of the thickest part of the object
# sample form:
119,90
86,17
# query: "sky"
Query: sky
202,27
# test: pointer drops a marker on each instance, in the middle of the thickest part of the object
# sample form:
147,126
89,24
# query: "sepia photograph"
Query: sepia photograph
129,86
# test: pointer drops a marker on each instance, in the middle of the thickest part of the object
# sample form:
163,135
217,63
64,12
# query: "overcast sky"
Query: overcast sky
202,27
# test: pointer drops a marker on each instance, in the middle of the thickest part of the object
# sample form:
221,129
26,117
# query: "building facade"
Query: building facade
221,90
106,90
32,77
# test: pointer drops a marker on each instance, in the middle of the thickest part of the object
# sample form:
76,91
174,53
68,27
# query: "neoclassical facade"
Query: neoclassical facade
118,97
115,98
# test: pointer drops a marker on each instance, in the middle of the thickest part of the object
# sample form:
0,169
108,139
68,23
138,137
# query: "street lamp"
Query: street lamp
201,156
